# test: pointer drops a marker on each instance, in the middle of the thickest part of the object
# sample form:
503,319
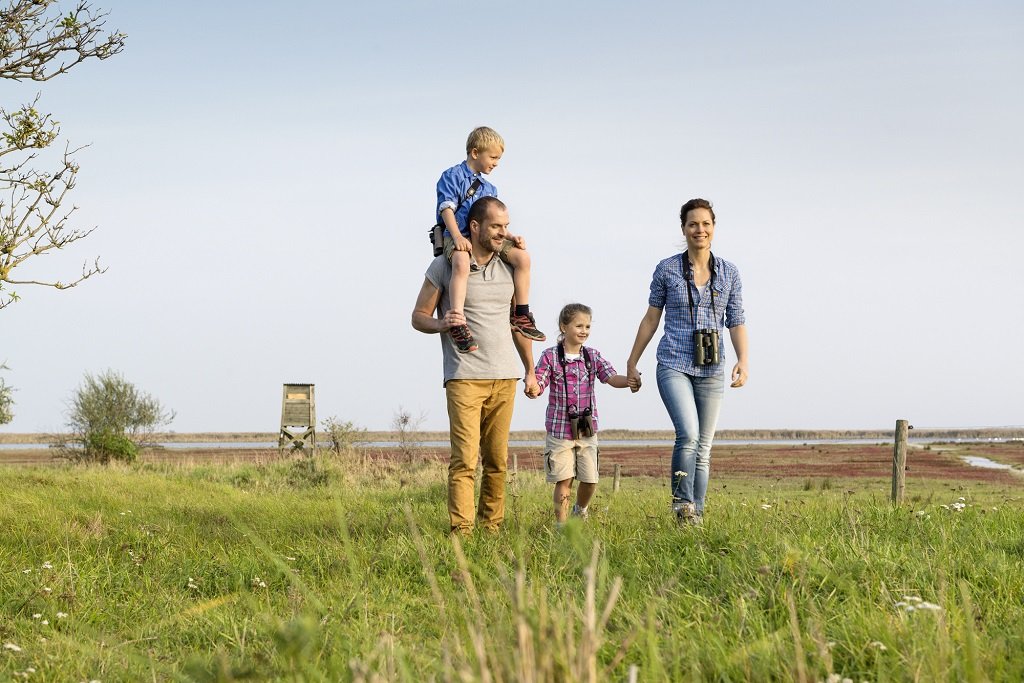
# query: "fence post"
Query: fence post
617,478
515,464
899,462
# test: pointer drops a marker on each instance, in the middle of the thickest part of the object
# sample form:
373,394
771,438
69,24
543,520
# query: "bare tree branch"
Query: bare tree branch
39,42
38,45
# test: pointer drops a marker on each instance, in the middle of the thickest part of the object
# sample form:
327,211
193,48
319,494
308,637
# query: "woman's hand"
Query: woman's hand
739,375
633,375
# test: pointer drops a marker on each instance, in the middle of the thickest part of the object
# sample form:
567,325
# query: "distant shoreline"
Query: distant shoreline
606,434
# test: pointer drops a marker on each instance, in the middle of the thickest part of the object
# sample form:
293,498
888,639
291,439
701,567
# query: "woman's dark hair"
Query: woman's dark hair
697,203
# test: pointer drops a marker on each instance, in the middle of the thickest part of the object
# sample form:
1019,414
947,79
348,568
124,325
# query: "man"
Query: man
480,386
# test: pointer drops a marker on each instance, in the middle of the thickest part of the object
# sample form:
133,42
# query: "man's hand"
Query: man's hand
633,375
532,389
451,319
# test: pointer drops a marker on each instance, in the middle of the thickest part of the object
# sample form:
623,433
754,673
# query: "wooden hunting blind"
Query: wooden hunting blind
298,418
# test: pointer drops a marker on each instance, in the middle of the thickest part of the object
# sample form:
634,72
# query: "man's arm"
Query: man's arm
525,349
423,313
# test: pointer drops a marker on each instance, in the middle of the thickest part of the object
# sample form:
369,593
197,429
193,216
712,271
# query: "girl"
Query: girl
570,447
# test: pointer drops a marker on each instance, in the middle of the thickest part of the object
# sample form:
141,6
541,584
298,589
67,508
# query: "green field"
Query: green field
332,570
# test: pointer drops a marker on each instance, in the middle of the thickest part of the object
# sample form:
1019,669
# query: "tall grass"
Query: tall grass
340,569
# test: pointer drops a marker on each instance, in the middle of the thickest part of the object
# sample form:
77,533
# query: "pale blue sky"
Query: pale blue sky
262,176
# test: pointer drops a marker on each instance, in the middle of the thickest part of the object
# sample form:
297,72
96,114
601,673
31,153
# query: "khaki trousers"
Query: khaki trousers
479,415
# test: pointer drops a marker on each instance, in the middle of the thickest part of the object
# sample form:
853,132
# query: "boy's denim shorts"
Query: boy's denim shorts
568,459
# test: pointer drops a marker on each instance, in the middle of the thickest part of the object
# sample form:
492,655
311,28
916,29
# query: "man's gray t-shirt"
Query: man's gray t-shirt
488,297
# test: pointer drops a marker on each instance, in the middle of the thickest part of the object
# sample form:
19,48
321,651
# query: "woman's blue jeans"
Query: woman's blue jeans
693,404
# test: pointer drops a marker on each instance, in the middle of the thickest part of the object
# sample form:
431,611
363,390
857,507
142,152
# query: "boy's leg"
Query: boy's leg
461,335
522,319
562,495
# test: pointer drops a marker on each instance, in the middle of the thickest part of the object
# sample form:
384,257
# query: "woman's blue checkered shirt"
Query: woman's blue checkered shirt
668,292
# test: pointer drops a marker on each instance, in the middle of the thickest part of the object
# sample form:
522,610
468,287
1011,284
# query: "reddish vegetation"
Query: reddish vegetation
837,461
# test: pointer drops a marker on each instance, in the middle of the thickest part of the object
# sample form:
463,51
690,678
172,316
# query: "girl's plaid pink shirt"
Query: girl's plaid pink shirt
578,382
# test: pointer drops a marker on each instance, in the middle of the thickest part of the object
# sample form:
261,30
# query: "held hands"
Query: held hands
532,389
633,375
739,375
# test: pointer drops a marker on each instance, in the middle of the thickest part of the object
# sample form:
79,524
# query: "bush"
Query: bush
105,446
109,418
342,436
6,400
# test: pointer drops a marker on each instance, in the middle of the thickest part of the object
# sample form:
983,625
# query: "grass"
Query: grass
331,570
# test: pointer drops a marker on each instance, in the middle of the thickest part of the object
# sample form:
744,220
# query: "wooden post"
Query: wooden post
899,463
515,464
618,477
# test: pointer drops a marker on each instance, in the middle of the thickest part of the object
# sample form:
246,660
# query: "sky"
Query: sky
261,177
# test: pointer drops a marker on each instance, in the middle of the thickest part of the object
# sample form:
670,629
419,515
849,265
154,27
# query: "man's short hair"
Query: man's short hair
478,211
697,203
484,138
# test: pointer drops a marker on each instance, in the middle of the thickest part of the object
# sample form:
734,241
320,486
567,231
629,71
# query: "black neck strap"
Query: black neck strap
565,382
688,276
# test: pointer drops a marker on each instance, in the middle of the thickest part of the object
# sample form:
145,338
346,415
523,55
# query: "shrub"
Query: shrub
105,446
109,418
6,400
342,436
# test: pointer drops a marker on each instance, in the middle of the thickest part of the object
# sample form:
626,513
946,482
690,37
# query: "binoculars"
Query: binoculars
580,424
705,347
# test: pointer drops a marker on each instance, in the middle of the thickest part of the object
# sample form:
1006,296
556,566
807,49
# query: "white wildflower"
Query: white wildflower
26,571
878,645
920,513
47,565
961,499
766,506
12,647
929,606
47,589
62,615
290,559
257,582
37,615
45,622
944,507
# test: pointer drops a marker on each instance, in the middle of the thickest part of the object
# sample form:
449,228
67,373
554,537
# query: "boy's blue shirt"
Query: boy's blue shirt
452,187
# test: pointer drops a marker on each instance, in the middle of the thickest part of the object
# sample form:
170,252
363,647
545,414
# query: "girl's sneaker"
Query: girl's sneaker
463,338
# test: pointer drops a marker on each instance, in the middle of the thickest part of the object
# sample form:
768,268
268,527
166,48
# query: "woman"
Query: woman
699,293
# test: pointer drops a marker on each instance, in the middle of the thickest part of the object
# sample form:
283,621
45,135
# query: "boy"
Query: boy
457,189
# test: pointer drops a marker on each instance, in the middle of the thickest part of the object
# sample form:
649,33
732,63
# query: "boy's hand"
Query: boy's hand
518,240
462,244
